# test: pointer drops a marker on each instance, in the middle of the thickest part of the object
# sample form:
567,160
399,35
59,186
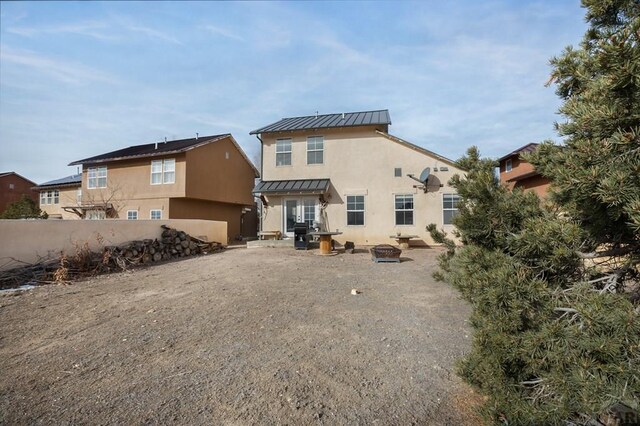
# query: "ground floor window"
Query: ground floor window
132,215
96,214
156,214
355,209
404,209
449,207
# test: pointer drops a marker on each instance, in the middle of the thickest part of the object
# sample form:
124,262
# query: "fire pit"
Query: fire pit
385,253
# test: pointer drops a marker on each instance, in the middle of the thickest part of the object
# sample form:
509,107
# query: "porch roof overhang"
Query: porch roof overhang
291,187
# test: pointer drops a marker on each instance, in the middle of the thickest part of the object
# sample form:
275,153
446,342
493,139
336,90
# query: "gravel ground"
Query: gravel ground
247,336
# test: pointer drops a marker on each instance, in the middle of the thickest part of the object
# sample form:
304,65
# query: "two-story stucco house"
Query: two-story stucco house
516,172
207,177
59,198
345,172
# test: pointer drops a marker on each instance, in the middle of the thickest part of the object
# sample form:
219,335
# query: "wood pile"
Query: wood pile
173,244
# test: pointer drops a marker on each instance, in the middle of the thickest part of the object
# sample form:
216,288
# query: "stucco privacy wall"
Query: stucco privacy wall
32,240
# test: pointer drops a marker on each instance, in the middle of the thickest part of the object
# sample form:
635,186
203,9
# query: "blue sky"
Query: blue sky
82,78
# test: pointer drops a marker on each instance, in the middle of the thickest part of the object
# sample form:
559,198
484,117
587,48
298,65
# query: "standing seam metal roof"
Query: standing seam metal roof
349,119
69,180
151,149
288,186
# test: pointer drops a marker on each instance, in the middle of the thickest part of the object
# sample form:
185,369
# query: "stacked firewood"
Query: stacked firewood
173,244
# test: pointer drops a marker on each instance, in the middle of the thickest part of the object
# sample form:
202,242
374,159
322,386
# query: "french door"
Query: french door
298,210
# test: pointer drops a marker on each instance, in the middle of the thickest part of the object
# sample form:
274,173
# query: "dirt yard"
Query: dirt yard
247,336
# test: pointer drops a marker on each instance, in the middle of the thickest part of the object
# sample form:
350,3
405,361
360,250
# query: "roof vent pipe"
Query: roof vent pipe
156,145
196,135
316,114
343,115
165,139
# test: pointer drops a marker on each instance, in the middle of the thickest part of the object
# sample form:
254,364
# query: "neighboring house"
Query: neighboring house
515,172
346,172
59,198
207,177
13,187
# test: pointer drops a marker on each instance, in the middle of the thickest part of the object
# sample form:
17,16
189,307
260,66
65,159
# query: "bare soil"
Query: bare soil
246,336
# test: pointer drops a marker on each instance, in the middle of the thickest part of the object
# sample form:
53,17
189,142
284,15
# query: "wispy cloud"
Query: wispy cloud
216,30
66,72
94,29
152,33
111,29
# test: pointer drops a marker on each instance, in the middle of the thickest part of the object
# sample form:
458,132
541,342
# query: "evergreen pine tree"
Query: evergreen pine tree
24,208
555,286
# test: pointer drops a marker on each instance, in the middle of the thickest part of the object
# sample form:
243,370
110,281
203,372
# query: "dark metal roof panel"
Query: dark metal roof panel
326,121
530,147
299,186
151,149
69,180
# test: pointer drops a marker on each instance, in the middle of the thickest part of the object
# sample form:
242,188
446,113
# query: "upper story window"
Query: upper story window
404,209
508,166
49,197
397,172
283,152
449,207
12,186
97,177
163,171
156,214
315,150
132,214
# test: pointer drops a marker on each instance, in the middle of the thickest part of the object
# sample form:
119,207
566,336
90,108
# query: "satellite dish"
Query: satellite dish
424,176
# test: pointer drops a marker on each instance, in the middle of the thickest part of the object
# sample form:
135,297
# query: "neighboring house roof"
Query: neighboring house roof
73,180
161,148
523,176
418,148
530,147
3,174
325,121
300,186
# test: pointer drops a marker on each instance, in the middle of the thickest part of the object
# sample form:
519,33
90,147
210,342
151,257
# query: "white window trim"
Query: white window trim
163,172
49,197
448,209
364,209
132,211
315,150
290,152
508,166
155,210
404,210
97,177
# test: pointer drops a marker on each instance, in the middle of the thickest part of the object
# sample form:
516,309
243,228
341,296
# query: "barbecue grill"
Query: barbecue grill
301,239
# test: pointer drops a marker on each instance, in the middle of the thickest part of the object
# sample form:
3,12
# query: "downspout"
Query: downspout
261,154
261,177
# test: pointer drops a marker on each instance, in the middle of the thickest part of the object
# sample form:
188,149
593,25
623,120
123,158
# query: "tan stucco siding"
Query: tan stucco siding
143,206
131,180
219,172
67,197
362,162
181,208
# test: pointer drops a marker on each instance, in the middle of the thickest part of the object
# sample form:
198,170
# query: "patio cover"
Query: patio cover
287,187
